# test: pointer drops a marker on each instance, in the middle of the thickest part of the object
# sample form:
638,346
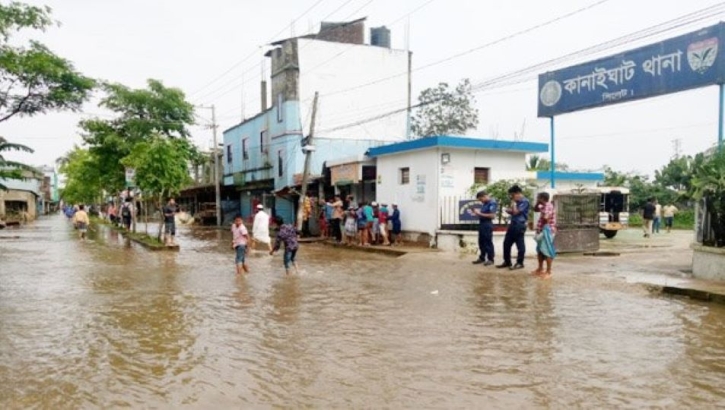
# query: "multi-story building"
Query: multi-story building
363,93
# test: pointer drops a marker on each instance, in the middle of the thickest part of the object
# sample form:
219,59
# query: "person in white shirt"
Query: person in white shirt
260,228
669,212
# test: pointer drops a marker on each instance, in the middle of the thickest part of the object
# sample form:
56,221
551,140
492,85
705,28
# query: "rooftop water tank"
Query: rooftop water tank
380,36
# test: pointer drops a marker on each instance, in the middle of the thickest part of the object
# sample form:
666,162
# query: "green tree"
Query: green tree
34,80
161,166
678,174
12,169
709,182
442,111
499,191
141,115
83,177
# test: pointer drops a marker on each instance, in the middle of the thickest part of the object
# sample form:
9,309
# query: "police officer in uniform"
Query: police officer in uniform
486,214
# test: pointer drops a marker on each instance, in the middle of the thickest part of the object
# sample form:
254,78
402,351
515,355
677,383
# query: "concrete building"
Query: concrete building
20,201
429,177
263,155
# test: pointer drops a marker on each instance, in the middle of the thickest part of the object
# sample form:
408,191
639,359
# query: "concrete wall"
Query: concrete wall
330,68
466,243
457,176
420,212
708,263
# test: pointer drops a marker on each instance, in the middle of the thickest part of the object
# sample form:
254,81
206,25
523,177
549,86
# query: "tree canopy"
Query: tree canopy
444,111
34,80
83,177
141,115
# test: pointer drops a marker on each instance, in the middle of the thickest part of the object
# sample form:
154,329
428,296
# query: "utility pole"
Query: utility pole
409,111
217,189
677,146
308,149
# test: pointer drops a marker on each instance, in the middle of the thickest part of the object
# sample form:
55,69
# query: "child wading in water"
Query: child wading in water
545,232
287,234
240,238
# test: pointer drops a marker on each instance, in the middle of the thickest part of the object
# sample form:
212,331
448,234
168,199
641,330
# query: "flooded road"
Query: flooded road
108,324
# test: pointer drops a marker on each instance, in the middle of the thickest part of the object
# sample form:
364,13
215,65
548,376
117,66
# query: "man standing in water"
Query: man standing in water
515,234
81,221
240,236
170,211
486,215
287,234
260,229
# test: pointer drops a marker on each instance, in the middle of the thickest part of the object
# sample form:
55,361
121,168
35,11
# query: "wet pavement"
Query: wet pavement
109,324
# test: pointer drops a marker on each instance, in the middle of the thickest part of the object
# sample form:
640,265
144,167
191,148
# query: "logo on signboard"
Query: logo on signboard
550,93
702,55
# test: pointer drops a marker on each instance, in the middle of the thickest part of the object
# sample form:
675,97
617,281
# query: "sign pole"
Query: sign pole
553,152
721,124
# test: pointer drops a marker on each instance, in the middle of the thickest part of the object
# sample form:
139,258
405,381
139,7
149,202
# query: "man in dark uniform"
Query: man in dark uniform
515,234
486,214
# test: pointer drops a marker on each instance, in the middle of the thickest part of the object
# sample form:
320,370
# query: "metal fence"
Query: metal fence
454,213
577,211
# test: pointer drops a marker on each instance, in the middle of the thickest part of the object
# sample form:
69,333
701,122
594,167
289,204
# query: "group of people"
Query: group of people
121,215
287,235
365,225
652,214
518,210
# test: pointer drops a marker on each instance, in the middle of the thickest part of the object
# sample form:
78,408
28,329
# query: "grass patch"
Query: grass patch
147,239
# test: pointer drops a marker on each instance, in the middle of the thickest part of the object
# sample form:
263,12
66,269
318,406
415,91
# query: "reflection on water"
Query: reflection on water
106,323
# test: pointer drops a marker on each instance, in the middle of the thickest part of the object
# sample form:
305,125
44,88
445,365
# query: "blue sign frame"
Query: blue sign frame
689,61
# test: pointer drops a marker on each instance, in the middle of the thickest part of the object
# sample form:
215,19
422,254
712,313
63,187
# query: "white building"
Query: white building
363,93
428,177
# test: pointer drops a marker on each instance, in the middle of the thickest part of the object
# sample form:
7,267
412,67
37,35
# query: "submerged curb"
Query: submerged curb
696,294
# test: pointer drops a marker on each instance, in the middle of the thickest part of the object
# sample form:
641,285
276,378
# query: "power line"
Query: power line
235,86
478,48
501,81
254,52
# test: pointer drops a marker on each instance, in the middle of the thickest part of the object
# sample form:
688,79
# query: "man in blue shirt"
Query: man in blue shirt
519,212
486,215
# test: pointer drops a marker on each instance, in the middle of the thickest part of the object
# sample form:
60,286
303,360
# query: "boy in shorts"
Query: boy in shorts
240,237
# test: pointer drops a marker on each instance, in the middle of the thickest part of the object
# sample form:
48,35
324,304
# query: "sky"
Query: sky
212,51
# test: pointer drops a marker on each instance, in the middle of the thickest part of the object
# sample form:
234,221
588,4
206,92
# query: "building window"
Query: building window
262,138
229,154
280,171
480,176
404,176
245,150
280,108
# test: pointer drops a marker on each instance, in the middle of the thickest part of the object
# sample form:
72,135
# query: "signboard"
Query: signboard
465,210
345,174
130,177
689,61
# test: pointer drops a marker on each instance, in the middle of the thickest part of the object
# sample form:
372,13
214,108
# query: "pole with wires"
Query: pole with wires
308,148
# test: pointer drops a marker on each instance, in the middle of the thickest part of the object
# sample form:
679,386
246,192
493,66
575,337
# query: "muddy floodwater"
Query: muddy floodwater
107,324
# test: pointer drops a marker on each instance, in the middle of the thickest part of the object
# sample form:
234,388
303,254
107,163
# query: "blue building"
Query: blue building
263,156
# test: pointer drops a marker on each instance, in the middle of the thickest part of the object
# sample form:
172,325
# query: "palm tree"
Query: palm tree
12,169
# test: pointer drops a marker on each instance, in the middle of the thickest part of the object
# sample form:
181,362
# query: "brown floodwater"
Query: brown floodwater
107,324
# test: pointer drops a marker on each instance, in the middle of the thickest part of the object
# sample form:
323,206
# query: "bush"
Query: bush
683,220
